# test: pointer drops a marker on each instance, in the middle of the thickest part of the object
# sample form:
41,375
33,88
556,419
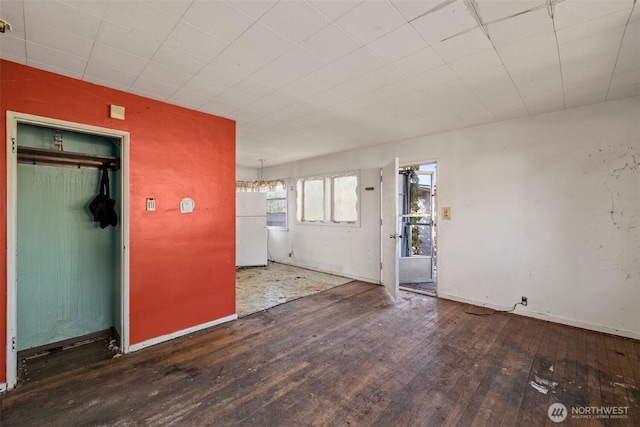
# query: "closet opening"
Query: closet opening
67,270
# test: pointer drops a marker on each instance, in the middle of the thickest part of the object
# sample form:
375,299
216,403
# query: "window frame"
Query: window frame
328,200
286,205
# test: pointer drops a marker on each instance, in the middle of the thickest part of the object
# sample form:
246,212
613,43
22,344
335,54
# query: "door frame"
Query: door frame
435,217
12,120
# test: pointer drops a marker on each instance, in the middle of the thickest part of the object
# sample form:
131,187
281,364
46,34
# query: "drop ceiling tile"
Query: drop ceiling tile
92,7
635,15
261,43
129,41
263,106
448,88
47,66
253,88
62,16
368,82
593,27
434,77
506,109
206,88
218,18
492,10
299,62
172,57
629,56
445,22
195,42
152,89
412,9
542,102
487,79
244,115
66,64
330,43
278,118
166,75
301,89
397,44
111,83
417,62
463,45
188,99
326,98
529,51
577,94
520,27
477,62
219,108
253,8
239,61
370,20
175,8
281,98
623,86
219,73
107,75
140,17
356,63
590,59
274,75
573,12
13,49
295,20
326,77
236,97
334,9
42,33
117,59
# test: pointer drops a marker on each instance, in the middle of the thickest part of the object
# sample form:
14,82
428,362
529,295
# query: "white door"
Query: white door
389,228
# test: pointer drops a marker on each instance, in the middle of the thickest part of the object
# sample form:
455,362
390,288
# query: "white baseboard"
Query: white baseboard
547,317
163,338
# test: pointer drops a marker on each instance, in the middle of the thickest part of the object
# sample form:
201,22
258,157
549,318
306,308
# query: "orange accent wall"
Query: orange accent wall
182,266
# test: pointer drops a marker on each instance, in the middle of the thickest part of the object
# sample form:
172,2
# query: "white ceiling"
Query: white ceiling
306,78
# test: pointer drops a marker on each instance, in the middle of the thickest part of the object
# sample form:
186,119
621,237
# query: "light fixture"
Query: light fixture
57,141
4,25
261,184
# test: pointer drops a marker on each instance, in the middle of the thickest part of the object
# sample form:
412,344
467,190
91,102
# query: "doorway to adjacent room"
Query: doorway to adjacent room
417,228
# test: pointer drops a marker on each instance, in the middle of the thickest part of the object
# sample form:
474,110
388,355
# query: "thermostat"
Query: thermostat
187,205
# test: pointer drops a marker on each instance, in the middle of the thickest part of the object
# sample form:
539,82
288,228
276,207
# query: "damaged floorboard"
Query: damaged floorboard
349,355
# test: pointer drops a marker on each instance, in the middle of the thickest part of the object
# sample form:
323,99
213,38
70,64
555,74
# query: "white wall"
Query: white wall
547,207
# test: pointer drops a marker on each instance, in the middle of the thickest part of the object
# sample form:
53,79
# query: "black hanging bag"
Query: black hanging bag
102,206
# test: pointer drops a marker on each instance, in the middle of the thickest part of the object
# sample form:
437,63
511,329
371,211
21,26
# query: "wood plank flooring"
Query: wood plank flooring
348,356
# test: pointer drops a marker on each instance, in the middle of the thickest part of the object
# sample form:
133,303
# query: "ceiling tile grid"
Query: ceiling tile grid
304,77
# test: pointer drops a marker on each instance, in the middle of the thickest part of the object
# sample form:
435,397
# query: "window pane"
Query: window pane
277,207
313,200
345,199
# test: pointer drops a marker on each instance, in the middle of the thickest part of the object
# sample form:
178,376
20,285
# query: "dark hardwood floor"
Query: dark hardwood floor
348,356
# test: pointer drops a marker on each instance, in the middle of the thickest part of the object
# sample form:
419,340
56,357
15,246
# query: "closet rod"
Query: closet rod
42,156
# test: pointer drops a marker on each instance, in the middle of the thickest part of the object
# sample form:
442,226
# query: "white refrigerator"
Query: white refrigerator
251,229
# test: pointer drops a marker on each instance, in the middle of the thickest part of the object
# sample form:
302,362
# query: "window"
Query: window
345,198
328,199
277,205
276,191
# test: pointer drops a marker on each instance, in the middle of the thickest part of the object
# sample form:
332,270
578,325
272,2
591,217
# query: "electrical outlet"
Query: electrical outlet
446,213
525,300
